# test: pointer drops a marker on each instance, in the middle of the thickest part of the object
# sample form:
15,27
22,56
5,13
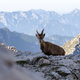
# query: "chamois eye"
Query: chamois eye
40,38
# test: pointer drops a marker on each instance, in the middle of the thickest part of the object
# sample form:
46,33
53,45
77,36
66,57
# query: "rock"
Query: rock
56,75
3,44
11,71
12,48
64,69
77,48
43,61
71,77
52,67
57,67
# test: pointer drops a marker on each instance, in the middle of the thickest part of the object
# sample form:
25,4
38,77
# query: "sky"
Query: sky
60,6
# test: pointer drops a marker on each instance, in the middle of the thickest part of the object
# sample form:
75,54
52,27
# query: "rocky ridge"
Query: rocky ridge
27,42
54,67
10,71
50,67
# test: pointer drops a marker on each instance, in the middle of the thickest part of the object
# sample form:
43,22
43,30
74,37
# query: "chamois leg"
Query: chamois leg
51,53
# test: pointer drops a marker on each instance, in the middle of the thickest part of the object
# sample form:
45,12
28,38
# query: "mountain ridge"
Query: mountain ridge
26,42
29,21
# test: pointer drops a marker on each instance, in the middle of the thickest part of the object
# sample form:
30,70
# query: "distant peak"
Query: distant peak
4,28
75,11
39,10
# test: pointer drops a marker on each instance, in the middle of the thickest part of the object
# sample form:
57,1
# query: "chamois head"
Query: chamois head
40,36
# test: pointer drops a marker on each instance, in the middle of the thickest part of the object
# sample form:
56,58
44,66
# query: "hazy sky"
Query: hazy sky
60,6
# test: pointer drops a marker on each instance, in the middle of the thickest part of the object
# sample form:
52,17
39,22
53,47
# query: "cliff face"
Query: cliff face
69,47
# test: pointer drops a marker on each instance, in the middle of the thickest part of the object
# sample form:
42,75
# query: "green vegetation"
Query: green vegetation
22,62
38,58
78,61
44,64
62,73
55,68
61,65
53,77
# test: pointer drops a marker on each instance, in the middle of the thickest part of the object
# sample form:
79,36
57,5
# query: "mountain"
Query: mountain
72,18
54,24
57,39
18,40
69,47
24,42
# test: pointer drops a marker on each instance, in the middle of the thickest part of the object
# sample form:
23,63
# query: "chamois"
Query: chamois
47,47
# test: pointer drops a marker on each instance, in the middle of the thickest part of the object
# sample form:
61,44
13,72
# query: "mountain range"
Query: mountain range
54,24
24,42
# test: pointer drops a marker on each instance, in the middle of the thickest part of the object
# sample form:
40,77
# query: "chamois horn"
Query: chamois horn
37,32
42,31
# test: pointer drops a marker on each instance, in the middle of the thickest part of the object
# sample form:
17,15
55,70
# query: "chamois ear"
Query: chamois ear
44,34
36,35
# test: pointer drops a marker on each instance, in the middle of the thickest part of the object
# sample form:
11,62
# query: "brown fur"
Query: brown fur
49,48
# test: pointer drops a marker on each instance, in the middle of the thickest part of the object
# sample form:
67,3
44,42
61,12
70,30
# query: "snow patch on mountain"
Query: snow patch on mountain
23,14
41,21
2,19
24,20
15,16
12,20
34,16
63,21
51,38
76,11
